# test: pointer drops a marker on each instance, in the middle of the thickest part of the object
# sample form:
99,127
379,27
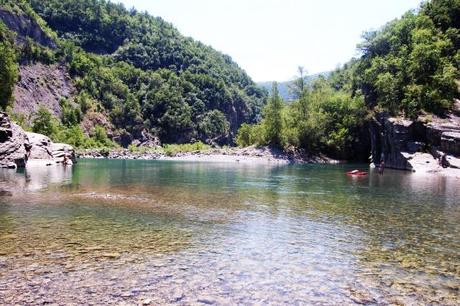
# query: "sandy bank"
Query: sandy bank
426,164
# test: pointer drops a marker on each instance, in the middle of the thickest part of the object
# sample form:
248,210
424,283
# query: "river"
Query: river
160,232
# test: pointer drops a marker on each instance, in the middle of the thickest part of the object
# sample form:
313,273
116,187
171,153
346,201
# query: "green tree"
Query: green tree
45,123
299,85
273,122
8,73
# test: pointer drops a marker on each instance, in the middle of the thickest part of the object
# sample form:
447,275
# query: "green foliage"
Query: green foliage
100,137
71,114
299,85
45,123
147,76
323,119
174,149
142,74
31,52
251,135
411,64
273,123
213,124
8,67
19,119
244,137
136,69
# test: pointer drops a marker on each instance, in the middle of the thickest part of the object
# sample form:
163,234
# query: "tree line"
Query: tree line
408,68
137,70
142,74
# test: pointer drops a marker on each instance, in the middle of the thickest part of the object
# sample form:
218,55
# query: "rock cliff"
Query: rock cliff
41,85
25,27
399,142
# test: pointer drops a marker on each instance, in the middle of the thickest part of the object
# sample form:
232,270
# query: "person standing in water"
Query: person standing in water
381,167
67,161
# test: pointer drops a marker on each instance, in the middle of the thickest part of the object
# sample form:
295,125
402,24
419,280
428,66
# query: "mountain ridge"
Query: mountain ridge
136,70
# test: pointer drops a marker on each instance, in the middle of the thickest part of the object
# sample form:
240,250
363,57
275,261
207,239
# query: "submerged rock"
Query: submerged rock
5,193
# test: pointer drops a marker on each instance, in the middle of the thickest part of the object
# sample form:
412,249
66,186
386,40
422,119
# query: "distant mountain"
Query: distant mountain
283,87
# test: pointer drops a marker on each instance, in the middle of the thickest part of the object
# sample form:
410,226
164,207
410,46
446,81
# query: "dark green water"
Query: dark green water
133,232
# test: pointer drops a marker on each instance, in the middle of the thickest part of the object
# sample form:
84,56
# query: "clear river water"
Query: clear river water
159,232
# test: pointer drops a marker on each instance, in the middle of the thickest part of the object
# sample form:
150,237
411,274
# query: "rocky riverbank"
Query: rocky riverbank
417,145
18,148
241,155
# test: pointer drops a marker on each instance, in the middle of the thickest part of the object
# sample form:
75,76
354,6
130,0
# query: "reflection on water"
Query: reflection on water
35,178
187,233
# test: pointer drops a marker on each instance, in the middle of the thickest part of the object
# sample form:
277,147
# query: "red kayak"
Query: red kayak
357,173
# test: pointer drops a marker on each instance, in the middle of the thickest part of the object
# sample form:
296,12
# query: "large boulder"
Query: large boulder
14,144
61,150
435,131
40,146
17,146
450,143
43,148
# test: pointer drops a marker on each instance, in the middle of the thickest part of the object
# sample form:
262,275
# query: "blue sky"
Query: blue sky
270,38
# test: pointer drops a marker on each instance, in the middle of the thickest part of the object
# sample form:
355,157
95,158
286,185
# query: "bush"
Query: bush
244,135
8,73
45,123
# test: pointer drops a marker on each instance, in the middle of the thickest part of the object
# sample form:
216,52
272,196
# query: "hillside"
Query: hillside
96,66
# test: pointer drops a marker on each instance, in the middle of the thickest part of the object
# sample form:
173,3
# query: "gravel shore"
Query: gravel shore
230,155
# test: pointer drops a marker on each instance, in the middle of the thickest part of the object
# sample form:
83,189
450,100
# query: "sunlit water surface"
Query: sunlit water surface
206,233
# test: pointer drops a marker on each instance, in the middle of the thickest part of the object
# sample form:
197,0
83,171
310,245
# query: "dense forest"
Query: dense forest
408,68
136,69
145,77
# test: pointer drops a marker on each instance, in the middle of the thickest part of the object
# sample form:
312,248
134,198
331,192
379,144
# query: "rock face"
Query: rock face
14,144
389,139
397,140
26,27
42,85
450,142
147,140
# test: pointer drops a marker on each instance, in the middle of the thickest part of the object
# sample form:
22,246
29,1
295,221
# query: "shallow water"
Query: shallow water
206,233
